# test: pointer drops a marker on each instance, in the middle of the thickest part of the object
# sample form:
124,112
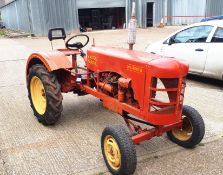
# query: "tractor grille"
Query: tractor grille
166,95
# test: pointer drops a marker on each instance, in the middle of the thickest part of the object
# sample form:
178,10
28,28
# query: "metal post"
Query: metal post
132,28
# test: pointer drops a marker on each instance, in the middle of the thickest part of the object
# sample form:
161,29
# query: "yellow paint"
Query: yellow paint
112,152
184,133
38,95
134,68
92,60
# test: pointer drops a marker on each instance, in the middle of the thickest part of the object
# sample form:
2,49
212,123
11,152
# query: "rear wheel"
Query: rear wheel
118,150
192,131
44,94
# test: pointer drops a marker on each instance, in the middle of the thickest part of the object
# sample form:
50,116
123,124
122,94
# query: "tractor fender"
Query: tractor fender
53,60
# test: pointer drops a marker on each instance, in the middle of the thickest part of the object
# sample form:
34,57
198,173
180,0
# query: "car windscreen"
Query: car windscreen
218,36
193,34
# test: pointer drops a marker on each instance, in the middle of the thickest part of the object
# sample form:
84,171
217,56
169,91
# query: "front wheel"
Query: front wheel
118,150
192,131
44,94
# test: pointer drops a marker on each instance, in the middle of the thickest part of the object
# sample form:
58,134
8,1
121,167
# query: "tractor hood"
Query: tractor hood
165,67
157,65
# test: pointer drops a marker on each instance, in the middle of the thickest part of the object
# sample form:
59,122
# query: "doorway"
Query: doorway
149,15
102,18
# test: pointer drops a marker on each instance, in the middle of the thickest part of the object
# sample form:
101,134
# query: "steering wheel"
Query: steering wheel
76,45
191,41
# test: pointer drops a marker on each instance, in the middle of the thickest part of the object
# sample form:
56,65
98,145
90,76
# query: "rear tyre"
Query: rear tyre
118,150
44,94
192,131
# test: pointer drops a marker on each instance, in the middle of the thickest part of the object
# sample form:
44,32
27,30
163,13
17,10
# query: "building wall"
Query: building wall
214,8
15,16
141,11
37,17
83,4
158,11
8,1
46,14
2,3
186,8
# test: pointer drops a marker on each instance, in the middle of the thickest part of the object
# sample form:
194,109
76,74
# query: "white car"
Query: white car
200,45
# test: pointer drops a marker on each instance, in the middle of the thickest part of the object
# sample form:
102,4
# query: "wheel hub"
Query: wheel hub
185,132
112,152
38,95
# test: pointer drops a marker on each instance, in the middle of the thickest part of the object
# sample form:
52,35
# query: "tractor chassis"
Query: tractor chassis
139,135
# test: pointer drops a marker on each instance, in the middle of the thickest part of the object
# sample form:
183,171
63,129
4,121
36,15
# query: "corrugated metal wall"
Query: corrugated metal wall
2,3
37,17
186,8
158,13
24,23
128,10
15,17
141,11
47,14
214,7
82,4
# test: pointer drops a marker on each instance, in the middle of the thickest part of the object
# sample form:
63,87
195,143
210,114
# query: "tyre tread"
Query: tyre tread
198,128
53,93
128,152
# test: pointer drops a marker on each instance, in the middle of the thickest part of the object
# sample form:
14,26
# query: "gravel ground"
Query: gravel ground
73,145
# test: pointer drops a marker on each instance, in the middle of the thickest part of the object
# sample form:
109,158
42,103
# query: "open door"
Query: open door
149,13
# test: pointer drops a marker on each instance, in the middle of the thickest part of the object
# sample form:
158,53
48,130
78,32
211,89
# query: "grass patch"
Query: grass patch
2,32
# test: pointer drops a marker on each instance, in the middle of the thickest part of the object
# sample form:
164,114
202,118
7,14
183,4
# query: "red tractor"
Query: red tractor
143,88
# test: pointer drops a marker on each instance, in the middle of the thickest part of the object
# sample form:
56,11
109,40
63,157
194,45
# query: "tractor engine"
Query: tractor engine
116,86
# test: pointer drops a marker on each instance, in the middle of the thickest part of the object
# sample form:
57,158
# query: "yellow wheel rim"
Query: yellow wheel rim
112,152
184,133
38,95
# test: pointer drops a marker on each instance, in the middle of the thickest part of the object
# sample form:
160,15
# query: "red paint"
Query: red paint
112,71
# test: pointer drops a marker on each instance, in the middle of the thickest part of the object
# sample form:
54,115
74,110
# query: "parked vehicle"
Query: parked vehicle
200,45
212,18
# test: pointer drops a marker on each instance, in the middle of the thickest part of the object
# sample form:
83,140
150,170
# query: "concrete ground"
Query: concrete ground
73,145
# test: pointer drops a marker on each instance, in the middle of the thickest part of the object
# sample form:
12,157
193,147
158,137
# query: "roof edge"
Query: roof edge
8,4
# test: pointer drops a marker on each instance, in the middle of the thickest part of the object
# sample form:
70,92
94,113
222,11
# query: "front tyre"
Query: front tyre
192,131
44,94
118,150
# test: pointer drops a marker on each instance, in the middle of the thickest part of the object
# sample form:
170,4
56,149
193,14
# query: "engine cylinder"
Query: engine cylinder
106,87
